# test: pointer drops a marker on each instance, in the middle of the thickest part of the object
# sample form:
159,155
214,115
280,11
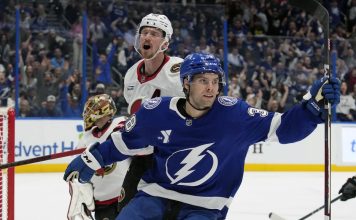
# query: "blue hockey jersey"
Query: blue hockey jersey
201,161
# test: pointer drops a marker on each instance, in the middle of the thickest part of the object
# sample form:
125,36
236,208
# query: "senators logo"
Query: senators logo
175,68
107,170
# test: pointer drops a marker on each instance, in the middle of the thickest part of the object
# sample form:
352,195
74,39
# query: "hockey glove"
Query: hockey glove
82,200
85,165
320,90
348,190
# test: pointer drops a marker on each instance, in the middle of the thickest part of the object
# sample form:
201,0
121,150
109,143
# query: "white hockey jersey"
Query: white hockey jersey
164,82
107,188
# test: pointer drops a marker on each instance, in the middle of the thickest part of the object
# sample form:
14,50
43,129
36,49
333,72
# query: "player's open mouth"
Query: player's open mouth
146,46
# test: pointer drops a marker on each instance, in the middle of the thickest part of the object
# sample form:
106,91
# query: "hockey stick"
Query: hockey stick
321,13
274,216
42,158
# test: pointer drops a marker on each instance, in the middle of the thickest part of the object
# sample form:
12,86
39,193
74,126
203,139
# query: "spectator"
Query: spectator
72,11
47,85
98,30
49,108
5,89
4,49
99,89
118,96
40,23
346,110
102,63
350,58
236,60
55,6
28,78
57,60
25,109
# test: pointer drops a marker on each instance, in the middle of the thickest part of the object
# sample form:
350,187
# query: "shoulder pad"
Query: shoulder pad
152,103
227,100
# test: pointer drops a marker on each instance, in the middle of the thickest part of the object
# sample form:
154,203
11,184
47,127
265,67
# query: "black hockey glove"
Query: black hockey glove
348,190
320,90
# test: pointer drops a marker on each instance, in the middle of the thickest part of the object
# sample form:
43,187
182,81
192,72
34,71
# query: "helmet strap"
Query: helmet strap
157,52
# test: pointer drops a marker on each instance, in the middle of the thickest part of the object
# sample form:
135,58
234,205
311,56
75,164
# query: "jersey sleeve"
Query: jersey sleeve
130,141
291,126
296,124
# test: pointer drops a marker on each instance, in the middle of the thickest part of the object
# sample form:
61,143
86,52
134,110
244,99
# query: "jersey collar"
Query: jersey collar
142,78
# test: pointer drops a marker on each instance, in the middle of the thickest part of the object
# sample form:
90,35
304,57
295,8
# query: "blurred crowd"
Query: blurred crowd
274,52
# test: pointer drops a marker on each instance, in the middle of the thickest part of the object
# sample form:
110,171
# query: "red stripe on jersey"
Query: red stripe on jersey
107,202
142,78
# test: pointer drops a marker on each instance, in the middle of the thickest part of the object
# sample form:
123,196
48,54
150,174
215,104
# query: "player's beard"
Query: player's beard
201,103
148,54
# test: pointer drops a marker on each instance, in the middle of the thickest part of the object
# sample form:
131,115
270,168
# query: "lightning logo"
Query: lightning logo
195,155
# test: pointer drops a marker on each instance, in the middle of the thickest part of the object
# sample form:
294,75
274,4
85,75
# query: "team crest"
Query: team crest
227,100
152,103
192,166
175,68
107,170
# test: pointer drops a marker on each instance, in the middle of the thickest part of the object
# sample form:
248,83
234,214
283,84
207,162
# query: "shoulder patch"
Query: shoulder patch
227,100
130,123
175,68
152,103
253,111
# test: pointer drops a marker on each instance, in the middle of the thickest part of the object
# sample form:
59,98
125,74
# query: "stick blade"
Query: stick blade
274,216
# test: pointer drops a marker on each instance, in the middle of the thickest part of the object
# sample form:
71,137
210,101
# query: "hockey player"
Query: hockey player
156,74
199,143
348,190
99,124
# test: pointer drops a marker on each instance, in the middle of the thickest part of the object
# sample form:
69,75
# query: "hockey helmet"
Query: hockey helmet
96,107
158,21
197,63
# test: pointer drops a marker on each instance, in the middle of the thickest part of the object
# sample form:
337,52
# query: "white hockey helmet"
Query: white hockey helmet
158,21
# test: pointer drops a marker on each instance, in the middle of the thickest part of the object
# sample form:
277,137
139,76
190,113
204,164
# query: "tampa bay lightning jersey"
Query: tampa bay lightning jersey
201,161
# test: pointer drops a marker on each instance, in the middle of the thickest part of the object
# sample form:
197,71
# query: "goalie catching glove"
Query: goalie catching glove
322,89
82,200
348,190
85,165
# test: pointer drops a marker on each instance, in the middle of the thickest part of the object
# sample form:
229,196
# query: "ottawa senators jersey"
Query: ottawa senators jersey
164,82
108,187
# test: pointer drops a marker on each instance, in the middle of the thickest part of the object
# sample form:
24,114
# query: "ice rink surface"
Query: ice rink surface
291,195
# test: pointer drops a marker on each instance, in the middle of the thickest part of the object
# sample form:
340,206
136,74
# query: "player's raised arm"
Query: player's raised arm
311,108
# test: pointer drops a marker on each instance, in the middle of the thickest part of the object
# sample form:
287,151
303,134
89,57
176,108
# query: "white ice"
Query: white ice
291,195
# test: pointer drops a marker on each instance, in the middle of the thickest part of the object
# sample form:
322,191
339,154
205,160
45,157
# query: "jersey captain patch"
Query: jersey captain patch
227,100
175,68
152,103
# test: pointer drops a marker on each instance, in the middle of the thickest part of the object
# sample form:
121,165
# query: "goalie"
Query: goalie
104,191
